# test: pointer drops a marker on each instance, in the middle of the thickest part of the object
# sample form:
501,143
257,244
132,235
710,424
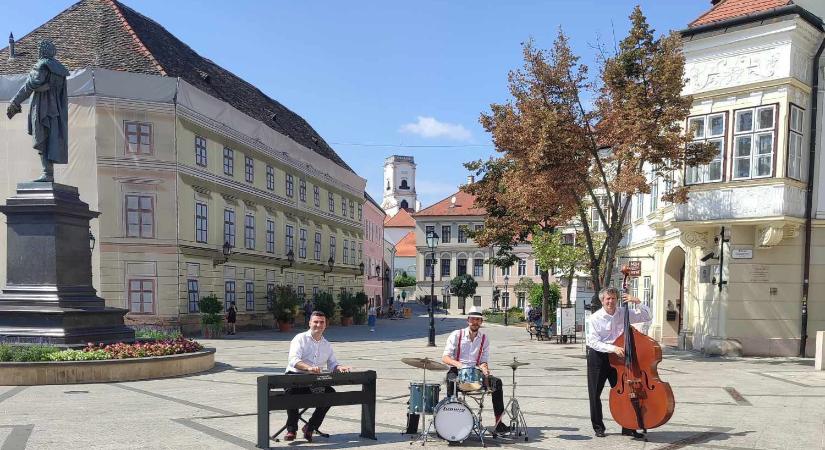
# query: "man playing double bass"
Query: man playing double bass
605,326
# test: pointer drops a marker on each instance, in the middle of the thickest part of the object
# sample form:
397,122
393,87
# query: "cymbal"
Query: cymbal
424,363
513,365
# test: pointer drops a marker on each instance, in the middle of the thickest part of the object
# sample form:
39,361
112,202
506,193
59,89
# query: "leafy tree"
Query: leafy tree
536,299
552,251
326,304
463,286
404,280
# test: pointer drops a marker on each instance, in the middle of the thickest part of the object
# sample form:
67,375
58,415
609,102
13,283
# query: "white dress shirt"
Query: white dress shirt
605,329
469,349
304,348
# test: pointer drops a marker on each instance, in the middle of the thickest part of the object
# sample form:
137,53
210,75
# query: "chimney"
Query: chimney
11,46
471,179
714,2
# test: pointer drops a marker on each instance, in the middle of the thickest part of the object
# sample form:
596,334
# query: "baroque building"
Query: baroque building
399,185
738,268
181,157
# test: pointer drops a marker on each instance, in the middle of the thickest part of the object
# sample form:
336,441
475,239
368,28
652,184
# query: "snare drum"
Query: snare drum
469,379
453,420
431,393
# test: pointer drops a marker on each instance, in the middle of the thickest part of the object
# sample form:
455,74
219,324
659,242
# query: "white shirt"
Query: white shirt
605,329
304,348
372,311
469,349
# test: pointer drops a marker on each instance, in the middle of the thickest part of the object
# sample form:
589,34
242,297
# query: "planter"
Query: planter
105,371
284,326
346,321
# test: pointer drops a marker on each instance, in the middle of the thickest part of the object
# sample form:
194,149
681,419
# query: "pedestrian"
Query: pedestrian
527,309
308,308
231,317
371,317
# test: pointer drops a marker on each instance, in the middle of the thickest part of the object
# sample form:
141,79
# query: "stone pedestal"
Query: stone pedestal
819,362
49,297
716,346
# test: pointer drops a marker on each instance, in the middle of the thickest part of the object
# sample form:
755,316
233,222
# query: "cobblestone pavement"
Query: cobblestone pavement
721,403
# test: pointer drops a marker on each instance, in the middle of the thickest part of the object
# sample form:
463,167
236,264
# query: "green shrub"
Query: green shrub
284,304
326,304
157,334
361,313
404,280
25,353
211,309
79,355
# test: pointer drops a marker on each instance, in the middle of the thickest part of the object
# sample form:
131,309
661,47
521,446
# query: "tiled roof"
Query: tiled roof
406,246
728,9
401,219
464,206
110,35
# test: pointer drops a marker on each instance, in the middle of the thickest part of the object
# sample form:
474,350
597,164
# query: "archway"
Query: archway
673,296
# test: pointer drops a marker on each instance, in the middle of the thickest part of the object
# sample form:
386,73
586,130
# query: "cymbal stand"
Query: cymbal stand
518,426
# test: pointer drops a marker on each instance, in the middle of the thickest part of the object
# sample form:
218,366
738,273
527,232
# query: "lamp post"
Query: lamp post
432,243
507,295
290,257
446,291
330,263
226,250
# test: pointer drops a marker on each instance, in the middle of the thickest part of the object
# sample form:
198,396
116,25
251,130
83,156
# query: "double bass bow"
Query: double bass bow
639,400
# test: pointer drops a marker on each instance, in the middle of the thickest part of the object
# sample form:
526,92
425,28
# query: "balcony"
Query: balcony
742,202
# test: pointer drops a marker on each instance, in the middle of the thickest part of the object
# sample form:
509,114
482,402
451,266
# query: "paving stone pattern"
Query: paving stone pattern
730,403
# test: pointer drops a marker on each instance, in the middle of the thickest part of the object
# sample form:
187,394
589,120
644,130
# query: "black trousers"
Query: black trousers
318,415
599,370
495,385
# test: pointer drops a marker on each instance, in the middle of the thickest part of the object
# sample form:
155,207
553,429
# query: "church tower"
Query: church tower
399,185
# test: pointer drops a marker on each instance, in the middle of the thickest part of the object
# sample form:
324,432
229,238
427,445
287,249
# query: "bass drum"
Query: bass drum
453,420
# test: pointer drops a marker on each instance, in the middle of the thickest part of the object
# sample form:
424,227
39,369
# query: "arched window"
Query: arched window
404,204
404,184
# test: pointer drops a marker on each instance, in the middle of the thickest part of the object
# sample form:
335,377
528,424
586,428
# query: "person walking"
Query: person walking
308,308
231,317
371,316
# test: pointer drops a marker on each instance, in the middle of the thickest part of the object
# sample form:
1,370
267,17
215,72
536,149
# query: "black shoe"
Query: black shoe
635,434
599,433
502,428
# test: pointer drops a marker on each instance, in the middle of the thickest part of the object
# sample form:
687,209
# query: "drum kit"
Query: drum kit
454,419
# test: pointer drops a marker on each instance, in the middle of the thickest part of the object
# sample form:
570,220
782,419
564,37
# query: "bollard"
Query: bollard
820,350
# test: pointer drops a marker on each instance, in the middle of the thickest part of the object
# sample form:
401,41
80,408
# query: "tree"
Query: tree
463,286
562,160
404,280
553,251
536,299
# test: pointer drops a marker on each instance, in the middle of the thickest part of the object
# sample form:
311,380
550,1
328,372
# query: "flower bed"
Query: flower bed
93,352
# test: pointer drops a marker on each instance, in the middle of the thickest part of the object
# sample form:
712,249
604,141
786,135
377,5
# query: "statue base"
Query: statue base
49,297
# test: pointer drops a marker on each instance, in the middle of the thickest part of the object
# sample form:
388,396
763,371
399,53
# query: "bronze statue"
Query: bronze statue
49,113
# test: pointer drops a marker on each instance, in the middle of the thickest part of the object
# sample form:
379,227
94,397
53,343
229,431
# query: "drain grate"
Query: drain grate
560,369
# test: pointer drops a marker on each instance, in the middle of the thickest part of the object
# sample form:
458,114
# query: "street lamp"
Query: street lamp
290,257
432,243
226,250
507,298
330,263
446,291
361,268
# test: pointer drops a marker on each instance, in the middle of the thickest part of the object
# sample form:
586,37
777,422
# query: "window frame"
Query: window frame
446,233
226,297
193,303
249,231
462,234
270,178
139,133
129,292
270,235
331,198
755,132
333,248
201,233
522,267
703,169
228,161
229,228
460,269
302,189
316,195
290,185
445,263
249,295
289,235
801,136
302,243
317,248
201,152
478,263
249,169
140,211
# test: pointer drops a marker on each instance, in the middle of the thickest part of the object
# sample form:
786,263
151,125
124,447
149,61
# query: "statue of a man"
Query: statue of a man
49,113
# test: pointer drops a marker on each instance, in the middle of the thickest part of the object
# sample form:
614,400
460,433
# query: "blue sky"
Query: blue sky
377,78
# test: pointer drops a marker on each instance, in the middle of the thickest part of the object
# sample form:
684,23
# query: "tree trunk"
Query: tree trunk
545,295
570,284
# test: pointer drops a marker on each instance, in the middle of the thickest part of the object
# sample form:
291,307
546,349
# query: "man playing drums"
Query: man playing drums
469,349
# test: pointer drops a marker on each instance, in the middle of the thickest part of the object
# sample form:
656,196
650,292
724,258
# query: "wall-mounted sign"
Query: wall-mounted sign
742,253
759,273
635,267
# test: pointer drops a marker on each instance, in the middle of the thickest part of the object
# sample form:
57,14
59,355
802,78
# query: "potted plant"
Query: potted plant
284,306
348,306
211,316
326,304
361,310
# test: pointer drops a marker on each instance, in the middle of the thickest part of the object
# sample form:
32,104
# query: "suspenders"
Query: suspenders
458,346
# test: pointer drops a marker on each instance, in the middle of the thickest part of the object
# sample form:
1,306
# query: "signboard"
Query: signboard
565,320
759,273
635,267
742,253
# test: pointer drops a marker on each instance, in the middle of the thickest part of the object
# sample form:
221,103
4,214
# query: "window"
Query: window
343,206
461,268
331,199
596,223
477,300
288,244
270,236
536,268
270,295
228,161
505,300
193,295
201,222
138,138
753,143
478,228
141,296
250,296
640,205
228,294
140,216
445,267
289,186
332,248
360,252
346,251
351,209
300,292
316,193
428,267
302,190
795,169
229,226
429,231
360,212
647,291
462,234
314,292
478,268
317,252
634,287
302,246
249,232
654,191
445,233
521,300
522,267
710,128
270,178
200,151
249,169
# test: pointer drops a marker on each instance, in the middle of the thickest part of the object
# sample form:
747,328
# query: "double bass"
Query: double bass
639,400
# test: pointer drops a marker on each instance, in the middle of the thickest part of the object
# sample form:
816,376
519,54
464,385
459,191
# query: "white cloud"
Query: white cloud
430,127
